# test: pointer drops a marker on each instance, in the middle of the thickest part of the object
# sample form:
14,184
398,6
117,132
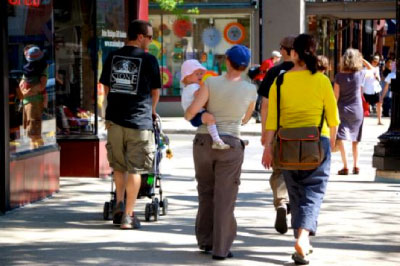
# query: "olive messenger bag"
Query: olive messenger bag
296,148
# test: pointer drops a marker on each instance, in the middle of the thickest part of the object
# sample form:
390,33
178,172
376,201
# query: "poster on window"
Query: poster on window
182,28
211,37
234,33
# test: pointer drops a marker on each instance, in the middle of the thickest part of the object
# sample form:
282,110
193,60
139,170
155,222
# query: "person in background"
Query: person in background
386,96
371,86
228,98
306,95
347,88
323,64
276,180
386,92
387,68
266,65
131,80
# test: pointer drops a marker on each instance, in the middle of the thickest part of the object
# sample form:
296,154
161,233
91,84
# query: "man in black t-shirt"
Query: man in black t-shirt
131,79
276,181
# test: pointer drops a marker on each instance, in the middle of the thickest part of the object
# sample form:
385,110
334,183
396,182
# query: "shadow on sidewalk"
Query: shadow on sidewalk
69,229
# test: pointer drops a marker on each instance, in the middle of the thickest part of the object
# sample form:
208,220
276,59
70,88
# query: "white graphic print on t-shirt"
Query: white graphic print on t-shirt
125,72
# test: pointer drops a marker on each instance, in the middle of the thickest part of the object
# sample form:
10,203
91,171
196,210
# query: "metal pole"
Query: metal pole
386,156
4,112
95,73
260,27
395,117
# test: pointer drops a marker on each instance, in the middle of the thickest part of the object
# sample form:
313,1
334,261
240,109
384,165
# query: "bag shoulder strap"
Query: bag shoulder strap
279,82
322,118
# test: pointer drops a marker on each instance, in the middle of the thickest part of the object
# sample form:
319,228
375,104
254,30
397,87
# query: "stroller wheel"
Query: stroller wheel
156,211
147,212
164,206
106,211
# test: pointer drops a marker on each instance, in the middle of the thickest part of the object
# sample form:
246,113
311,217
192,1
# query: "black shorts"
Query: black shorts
372,99
196,120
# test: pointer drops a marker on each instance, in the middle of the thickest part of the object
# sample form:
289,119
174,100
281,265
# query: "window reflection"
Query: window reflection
31,76
204,37
75,57
111,26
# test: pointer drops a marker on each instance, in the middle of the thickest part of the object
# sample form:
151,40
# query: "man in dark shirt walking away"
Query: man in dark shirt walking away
131,79
276,180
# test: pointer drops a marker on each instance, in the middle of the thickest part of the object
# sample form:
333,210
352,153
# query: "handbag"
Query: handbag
365,106
296,148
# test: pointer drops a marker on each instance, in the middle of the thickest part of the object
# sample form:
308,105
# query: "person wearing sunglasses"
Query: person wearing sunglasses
131,80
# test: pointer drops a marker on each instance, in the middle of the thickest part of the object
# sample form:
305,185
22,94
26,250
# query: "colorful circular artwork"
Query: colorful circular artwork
182,28
155,48
166,77
211,37
234,33
209,73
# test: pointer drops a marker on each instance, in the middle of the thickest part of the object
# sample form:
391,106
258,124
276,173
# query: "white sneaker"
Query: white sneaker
220,146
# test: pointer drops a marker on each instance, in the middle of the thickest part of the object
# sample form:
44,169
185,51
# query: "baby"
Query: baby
192,73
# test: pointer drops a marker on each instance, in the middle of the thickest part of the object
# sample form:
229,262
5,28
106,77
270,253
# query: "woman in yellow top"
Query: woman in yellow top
305,94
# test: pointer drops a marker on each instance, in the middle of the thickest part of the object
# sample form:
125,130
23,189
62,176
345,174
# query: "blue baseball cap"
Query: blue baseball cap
239,54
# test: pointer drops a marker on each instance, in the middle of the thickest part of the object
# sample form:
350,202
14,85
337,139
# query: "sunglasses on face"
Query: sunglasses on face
150,37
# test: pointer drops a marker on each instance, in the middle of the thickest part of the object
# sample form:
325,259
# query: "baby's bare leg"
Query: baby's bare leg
209,120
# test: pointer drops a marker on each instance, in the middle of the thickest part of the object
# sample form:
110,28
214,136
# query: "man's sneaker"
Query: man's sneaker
281,221
129,222
220,146
118,211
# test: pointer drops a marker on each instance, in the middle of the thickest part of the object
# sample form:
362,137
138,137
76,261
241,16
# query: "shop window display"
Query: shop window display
31,75
203,37
85,32
75,57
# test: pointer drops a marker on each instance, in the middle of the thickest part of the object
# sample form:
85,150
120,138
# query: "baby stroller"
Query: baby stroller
151,182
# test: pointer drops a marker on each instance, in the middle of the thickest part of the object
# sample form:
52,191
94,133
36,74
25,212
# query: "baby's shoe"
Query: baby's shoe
220,146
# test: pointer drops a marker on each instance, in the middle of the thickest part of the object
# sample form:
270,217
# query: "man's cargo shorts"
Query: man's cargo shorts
130,149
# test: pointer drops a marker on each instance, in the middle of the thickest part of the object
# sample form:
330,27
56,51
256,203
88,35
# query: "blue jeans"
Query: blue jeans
306,191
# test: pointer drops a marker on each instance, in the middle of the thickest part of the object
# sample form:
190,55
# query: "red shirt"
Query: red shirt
265,66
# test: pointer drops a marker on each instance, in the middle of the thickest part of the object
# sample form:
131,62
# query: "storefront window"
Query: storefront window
203,37
111,35
31,75
75,56
216,1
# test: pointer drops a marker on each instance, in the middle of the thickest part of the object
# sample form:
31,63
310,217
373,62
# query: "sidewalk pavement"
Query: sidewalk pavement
358,224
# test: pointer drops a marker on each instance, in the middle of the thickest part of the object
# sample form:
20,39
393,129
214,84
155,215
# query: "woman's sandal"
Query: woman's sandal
344,171
356,171
299,259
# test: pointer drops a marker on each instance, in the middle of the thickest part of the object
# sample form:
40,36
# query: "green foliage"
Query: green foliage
194,10
169,5
172,6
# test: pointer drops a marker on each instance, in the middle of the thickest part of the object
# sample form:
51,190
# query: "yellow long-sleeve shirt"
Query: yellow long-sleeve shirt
303,95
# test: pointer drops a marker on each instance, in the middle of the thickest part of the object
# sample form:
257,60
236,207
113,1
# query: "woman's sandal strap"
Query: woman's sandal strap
343,171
